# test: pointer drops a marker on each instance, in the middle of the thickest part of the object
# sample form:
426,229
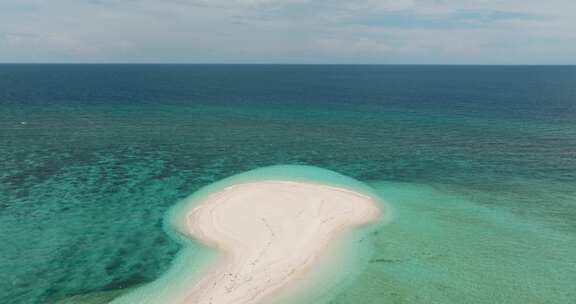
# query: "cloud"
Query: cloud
353,46
369,31
458,19
60,42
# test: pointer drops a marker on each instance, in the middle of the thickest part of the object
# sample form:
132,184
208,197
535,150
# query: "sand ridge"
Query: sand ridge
269,234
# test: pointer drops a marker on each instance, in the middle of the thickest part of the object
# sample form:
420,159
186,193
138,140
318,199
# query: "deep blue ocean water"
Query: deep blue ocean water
478,162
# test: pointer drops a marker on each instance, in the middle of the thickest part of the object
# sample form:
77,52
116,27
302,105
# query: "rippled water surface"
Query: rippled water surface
478,162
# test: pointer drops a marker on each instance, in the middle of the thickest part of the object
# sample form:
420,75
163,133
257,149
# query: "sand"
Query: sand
268,235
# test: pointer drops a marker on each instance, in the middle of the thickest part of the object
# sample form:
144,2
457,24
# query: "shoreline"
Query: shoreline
269,236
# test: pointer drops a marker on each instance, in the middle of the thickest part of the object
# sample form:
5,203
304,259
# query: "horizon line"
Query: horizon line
284,63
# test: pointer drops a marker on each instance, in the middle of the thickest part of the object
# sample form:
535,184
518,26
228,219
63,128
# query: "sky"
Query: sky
289,31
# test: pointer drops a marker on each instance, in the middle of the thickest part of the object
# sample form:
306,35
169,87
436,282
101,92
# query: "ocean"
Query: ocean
477,162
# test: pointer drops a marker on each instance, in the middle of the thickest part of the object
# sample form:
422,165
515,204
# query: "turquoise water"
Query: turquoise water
478,163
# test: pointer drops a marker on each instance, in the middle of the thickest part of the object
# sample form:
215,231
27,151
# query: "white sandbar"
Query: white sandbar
269,234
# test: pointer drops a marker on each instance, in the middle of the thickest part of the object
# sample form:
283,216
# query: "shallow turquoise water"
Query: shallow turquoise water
479,164
444,247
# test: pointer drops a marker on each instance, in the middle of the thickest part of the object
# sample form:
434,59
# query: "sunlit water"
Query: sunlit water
478,163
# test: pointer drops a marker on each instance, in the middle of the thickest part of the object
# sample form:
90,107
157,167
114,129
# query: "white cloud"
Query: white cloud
353,46
288,30
60,42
